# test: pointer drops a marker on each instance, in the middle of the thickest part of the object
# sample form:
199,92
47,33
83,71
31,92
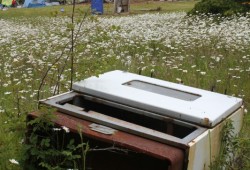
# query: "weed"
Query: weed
51,147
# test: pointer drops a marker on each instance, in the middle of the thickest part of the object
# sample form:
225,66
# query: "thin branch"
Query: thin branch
73,40
72,44
80,26
47,71
59,76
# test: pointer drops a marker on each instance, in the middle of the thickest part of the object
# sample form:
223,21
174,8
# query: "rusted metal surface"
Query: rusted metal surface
174,156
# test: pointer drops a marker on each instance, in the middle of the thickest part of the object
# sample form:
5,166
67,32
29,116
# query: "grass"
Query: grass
201,51
136,8
165,7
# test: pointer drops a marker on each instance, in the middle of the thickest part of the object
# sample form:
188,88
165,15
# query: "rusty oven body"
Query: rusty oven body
163,125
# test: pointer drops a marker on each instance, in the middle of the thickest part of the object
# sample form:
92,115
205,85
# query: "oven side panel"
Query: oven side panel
204,149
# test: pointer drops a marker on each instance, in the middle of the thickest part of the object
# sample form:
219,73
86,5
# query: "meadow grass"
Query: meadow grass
201,51
139,7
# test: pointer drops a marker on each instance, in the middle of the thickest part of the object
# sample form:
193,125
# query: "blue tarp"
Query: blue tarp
33,3
97,6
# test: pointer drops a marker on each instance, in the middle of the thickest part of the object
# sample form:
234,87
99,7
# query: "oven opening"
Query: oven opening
167,126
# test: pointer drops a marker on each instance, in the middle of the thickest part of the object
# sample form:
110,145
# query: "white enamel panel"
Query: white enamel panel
190,104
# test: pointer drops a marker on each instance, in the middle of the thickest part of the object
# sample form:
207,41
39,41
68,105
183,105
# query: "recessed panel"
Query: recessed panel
162,90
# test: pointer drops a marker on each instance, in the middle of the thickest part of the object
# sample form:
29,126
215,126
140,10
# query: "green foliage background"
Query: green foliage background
224,7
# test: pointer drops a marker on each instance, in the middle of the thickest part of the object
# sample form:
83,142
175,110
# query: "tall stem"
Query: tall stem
72,45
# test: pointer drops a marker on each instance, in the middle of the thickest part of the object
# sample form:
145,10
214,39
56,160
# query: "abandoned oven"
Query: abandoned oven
163,125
